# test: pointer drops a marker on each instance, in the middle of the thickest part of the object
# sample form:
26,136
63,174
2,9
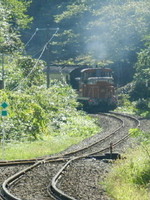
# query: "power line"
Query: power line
44,48
36,30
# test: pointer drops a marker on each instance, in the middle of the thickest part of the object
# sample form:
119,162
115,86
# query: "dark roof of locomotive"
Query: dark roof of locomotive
103,69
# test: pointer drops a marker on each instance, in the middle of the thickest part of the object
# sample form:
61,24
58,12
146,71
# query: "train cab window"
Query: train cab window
67,78
87,75
92,81
84,77
109,74
106,74
102,74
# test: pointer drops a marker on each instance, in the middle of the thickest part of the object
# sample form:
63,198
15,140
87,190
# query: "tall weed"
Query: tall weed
130,178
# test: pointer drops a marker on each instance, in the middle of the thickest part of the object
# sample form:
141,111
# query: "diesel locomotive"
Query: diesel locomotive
94,86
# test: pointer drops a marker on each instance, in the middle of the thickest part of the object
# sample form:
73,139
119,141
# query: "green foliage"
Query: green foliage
25,119
145,114
144,138
36,113
142,75
72,11
32,70
93,31
134,132
12,18
139,90
23,72
129,179
144,57
142,104
17,12
121,24
78,126
123,100
107,30
34,149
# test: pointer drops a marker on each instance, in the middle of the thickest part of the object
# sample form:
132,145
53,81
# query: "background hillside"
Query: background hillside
109,32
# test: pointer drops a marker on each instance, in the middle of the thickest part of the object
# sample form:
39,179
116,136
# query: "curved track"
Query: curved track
96,148
59,194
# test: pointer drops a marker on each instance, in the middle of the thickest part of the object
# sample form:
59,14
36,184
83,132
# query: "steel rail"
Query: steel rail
6,195
32,161
129,116
53,190
101,140
59,194
123,138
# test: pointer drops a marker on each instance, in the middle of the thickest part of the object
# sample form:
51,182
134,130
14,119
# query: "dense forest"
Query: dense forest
111,32
35,112
91,32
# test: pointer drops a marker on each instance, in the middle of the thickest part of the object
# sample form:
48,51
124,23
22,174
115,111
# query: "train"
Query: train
94,86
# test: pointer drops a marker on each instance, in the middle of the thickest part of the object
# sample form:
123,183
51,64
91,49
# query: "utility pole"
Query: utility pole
48,50
2,77
3,69
48,59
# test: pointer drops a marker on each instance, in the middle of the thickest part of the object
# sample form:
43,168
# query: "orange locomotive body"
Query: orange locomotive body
94,86
96,89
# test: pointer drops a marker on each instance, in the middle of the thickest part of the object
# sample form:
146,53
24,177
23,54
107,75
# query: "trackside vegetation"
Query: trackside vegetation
37,115
129,179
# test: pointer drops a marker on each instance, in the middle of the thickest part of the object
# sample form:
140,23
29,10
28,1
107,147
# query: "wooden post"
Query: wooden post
111,149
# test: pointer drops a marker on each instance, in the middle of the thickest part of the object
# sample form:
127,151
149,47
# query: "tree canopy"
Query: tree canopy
12,19
110,30
90,32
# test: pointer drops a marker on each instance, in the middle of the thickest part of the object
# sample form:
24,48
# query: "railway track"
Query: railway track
67,160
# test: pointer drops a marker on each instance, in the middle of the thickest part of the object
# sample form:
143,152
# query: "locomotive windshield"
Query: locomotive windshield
94,80
86,74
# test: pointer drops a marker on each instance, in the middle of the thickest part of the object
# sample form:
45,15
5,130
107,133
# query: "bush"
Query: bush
37,112
129,179
142,104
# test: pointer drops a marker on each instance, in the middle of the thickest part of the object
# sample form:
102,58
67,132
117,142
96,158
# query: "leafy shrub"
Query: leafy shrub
37,112
123,100
26,119
142,104
129,179
24,72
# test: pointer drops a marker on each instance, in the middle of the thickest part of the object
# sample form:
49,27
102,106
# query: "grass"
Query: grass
27,150
130,178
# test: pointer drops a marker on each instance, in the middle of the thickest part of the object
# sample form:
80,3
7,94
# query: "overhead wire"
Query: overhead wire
44,48
36,30
37,53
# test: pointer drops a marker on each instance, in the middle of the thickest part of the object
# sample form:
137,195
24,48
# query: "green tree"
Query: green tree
22,72
91,32
12,19
108,30
17,13
141,87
